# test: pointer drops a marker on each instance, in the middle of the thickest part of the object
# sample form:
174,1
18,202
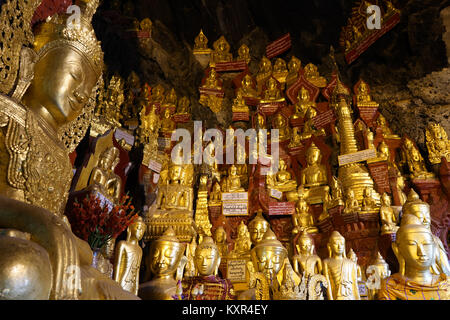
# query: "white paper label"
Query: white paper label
276,194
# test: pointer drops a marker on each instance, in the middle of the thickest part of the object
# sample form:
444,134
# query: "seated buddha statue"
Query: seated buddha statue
363,97
387,216
294,66
282,181
184,106
243,243
257,227
239,104
341,272
247,90
302,219
46,110
165,256
284,130
306,262
201,44
167,124
221,51
314,177
414,161
351,203
215,197
103,177
416,251
272,93
264,72
207,260
150,123
438,144
303,104
421,210
309,128
212,81
296,138
244,54
337,195
128,256
387,132
368,202
280,70
171,99
220,237
158,94
313,76
232,183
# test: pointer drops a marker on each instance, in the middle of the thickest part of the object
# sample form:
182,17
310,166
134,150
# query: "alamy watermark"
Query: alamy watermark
373,17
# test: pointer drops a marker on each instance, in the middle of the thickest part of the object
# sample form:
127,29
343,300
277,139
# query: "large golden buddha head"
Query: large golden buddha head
416,207
257,228
166,253
313,155
269,255
69,65
207,257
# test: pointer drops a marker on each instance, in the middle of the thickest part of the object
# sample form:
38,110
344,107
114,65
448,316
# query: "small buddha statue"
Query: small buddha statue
167,124
303,104
309,128
215,197
103,177
232,183
415,161
416,251
368,202
294,66
264,72
306,262
220,237
387,132
438,144
296,138
257,228
282,180
201,44
165,256
128,257
337,195
363,97
313,76
150,125
171,99
239,104
314,177
302,219
247,89
421,210
387,216
284,130
351,203
280,70
352,256
212,81
341,272
273,92
184,106
244,54
378,270
221,51
243,243
158,94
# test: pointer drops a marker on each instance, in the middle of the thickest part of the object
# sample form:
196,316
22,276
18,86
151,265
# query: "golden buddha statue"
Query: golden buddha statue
128,257
171,99
165,256
57,84
215,197
158,94
167,124
341,272
280,70
296,138
201,210
103,178
247,89
351,203
220,237
421,210
282,181
302,219
150,124
414,161
243,243
438,144
239,104
368,202
232,183
244,54
281,123
337,195
257,228
212,81
306,262
221,51
294,66
309,128
415,250
272,93
352,256
201,44
189,268
363,97
387,216
378,270
184,106
264,72
303,104
314,177
313,76
387,132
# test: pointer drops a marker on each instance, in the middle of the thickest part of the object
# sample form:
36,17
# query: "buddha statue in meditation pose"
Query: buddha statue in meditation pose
281,123
415,161
387,216
438,144
244,54
239,104
272,93
313,76
363,97
351,203
158,94
280,70
128,257
220,237
212,81
309,128
306,262
314,177
201,44
341,272
247,90
302,219
183,106
243,243
264,72
215,197
165,256
257,228
103,177
167,124
282,181
232,183
303,104
221,51
387,132
368,202
294,66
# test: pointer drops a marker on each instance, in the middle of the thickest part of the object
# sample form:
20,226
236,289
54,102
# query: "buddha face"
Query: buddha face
303,94
280,65
247,82
233,170
363,88
337,246
435,130
294,64
167,113
313,156
257,231
269,260
205,260
386,200
137,230
261,121
368,192
305,245
165,257
220,235
175,173
282,165
271,84
62,85
416,246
